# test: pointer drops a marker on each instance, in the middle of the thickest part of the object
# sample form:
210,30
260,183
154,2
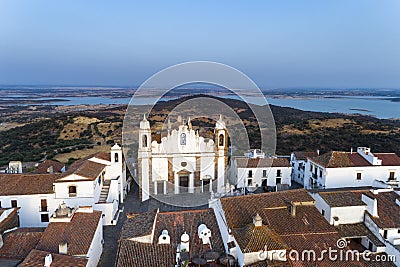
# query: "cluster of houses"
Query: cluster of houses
54,216
344,201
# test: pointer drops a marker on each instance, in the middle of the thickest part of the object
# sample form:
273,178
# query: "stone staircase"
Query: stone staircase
104,191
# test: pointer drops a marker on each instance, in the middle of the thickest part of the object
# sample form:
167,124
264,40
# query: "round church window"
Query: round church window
183,164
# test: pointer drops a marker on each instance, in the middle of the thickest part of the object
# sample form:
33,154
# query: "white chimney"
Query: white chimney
204,233
48,260
372,205
184,242
257,220
63,248
365,152
164,238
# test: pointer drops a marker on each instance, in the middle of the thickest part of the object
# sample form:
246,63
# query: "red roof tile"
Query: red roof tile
78,233
243,162
36,259
388,210
18,243
26,184
44,167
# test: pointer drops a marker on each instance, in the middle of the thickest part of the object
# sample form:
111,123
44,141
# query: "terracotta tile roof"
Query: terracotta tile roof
388,159
357,230
243,162
253,239
36,259
388,210
78,233
18,243
240,210
9,222
43,167
85,168
103,155
307,220
340,159
26,184
303,155
188,221
137,225
343,198
131,253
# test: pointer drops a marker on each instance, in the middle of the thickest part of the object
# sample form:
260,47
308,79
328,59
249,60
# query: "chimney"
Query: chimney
292,209
50,170
1,241
351,150
372,204
257,220
184,246
63,248
318,152
204,233
48,260
164,238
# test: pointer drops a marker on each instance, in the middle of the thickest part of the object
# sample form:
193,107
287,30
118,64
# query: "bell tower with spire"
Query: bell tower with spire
144,158
221,152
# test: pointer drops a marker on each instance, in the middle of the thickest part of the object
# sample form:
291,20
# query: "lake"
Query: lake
374,106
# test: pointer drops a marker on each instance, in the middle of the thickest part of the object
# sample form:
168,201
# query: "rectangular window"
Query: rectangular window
43,205
278,173
14,203
323,212
358,175
250,174
44,217
385,232
320,173
264,173
391,176
249,182
278,180
0,204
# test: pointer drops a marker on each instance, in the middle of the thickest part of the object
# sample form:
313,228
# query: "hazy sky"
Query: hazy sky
341,43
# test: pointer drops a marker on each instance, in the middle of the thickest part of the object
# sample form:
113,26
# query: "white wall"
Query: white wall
29,213
347,177
242,175
96,247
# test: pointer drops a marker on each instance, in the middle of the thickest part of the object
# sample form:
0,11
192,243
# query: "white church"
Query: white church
183,162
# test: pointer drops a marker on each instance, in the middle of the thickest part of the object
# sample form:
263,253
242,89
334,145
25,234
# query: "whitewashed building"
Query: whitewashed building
368,217
339,169
98,181
252,173
298,161
183,162
73,232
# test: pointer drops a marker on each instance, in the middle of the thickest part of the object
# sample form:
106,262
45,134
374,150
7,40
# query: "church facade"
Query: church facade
183,162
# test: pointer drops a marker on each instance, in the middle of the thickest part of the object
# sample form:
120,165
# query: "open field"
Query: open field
51,132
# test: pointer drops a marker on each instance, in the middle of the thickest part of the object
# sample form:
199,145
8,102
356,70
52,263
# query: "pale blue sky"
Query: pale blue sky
341,43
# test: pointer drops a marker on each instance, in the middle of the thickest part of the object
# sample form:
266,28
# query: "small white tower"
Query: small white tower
221,152
144,155
144,135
